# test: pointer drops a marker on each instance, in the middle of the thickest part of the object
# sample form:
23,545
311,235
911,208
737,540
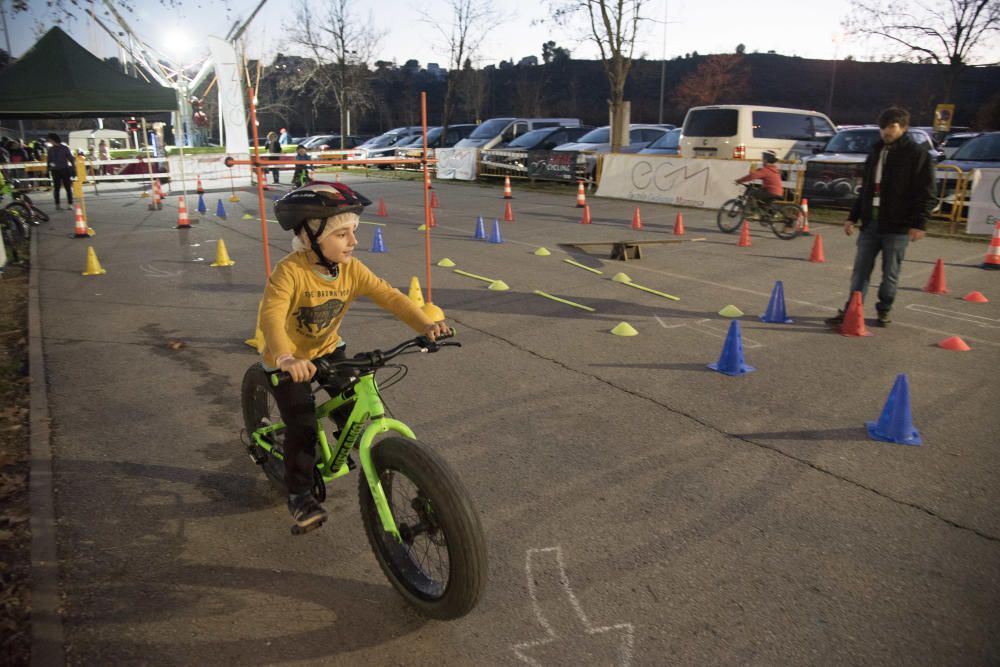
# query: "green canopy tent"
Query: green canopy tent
58,78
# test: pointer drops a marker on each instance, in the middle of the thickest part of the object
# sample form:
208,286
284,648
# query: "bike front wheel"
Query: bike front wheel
36,213
17,219
730,215
786,226
440,565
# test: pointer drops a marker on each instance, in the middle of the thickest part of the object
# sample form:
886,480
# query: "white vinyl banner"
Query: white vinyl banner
456,164
984,202
231,105
698,182
211,168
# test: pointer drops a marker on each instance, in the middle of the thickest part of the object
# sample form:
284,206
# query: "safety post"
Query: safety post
260,181
427,201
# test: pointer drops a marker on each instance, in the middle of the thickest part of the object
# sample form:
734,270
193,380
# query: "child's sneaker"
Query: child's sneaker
305,510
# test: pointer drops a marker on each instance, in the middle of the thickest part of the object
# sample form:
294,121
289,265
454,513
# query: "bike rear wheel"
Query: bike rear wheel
260,409
787,226
36,213
440,566
730,215
16,219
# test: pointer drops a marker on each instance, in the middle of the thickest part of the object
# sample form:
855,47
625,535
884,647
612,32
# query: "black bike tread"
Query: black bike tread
256,377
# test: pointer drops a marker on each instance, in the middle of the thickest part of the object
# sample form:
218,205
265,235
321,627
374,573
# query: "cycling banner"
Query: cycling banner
984,202
456,164
699,182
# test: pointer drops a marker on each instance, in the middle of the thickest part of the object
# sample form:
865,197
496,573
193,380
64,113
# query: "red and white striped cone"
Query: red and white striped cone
81,229
581,196
992,260
804,225
200,190
182,215
507,194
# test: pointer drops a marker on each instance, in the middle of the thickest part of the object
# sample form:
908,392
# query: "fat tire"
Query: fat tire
19,217
730,215
455,515
36,212
254,394
789,212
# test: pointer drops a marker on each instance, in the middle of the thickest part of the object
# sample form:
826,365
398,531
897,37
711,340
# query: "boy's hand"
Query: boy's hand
432,331
849,227
300,370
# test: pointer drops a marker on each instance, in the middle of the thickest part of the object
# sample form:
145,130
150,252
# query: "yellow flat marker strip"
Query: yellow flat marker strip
365,222
653,291
566,301
585,268
473,275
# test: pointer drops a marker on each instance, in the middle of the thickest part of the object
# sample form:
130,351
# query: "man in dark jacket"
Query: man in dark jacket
896,198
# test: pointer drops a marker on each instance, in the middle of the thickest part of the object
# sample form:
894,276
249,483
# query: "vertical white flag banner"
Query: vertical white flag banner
231,105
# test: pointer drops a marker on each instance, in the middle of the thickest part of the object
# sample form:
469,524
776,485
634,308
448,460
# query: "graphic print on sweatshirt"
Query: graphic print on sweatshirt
312,321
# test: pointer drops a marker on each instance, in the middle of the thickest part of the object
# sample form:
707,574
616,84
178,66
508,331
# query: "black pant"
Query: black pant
297,405
62,178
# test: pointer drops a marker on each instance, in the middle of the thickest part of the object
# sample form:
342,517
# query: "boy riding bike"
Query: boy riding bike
771,187
301,174
304,303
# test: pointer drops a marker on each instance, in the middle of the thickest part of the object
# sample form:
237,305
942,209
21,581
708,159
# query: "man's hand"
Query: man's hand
432,331
849,227
917,234
301,370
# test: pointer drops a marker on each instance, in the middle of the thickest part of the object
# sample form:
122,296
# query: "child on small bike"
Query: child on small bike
301,175
304,303
771,187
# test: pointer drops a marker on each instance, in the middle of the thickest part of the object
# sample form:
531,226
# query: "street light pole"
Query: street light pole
663,61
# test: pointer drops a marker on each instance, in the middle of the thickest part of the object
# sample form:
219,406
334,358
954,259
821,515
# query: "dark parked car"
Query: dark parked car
546,138
668,144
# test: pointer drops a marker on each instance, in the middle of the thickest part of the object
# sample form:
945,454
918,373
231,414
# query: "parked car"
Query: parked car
546,138
956,140
413,147
743,131
668,144
498,132
599,140
331,142
981,152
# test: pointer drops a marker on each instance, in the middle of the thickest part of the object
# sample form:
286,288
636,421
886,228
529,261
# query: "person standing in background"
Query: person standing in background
273,148
61,165
283,138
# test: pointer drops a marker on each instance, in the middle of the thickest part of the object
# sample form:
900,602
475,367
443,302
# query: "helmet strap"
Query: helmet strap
332,267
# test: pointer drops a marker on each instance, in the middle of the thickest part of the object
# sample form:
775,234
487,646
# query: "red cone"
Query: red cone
431,221
182,215
955,344
585,220
804,219
508,213
636,219
745,236
382,212
507,194
679,225
992,259
200,190
817,252
854,318
976,297
936,284
434,200
581,196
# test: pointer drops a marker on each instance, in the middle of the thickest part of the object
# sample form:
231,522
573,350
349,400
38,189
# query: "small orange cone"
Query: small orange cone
434,200
936,285
382,212
581,196
854,318
636,219
200,190
81,230
336,177
585,220
508,213
804,225
975,297
992,260
679,225
182,215
955,344
745,236
430,217
507,194
157,203
817,252
427,181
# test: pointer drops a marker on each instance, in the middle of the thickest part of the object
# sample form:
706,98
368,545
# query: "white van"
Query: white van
496,132
743,132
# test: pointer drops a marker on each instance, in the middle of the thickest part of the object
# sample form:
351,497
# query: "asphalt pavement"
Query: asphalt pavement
639,508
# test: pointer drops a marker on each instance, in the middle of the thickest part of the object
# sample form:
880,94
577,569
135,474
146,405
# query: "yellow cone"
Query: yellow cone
145,194
731,311
416,296
624,329
433,312
621,278
422,228
543,252
257,342
93,266
234,198
247,216
499,286
446,262
221,256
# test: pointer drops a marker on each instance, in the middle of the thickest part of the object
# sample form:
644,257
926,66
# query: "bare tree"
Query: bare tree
341,47
945,32
613,27
719,79
470,21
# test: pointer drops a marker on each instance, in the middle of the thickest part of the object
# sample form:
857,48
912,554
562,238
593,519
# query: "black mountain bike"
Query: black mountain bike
783,219
22,202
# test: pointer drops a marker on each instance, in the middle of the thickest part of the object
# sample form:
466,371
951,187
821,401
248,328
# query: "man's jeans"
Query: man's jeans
893,249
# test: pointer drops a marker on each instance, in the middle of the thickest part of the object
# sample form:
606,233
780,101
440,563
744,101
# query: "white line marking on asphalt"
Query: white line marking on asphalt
581,627
153,272
707,326
978,320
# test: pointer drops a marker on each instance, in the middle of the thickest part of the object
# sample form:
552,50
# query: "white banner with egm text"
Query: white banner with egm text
984,202
698,182
456,164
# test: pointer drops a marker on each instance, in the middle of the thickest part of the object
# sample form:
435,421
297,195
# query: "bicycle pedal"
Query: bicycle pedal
302,530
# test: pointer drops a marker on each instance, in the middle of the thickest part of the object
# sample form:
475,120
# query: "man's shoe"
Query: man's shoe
883,318
836,320
305,510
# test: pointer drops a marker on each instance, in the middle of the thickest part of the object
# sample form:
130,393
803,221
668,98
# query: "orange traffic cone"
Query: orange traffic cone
200,190
636,219
581,196
745,236
182,215
508,213
817,252
585,220
507,194
955,344
427,181
679,225
854,318
434,200
82,230
804,224
992,260
936,284
430,217
157,203
382,212
975,297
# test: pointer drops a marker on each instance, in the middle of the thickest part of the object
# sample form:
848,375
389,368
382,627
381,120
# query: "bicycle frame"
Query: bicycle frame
366,421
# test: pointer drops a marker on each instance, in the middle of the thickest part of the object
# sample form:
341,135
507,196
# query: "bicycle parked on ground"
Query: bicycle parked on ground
22,202
15,232
420,523
783,219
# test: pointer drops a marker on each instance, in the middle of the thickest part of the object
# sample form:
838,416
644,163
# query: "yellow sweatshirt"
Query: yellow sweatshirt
301,310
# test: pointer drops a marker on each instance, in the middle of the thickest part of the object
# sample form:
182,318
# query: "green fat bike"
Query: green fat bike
420,523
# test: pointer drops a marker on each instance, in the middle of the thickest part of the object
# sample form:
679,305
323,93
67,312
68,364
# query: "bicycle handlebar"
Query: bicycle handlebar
364,362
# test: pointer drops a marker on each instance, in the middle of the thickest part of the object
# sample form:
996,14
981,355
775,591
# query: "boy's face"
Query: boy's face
892,132
300,151
338,245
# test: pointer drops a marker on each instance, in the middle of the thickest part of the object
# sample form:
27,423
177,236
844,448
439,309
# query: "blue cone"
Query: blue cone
201,204
895,423
378,245
731,360
495,236
480,230
220,210
776,306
